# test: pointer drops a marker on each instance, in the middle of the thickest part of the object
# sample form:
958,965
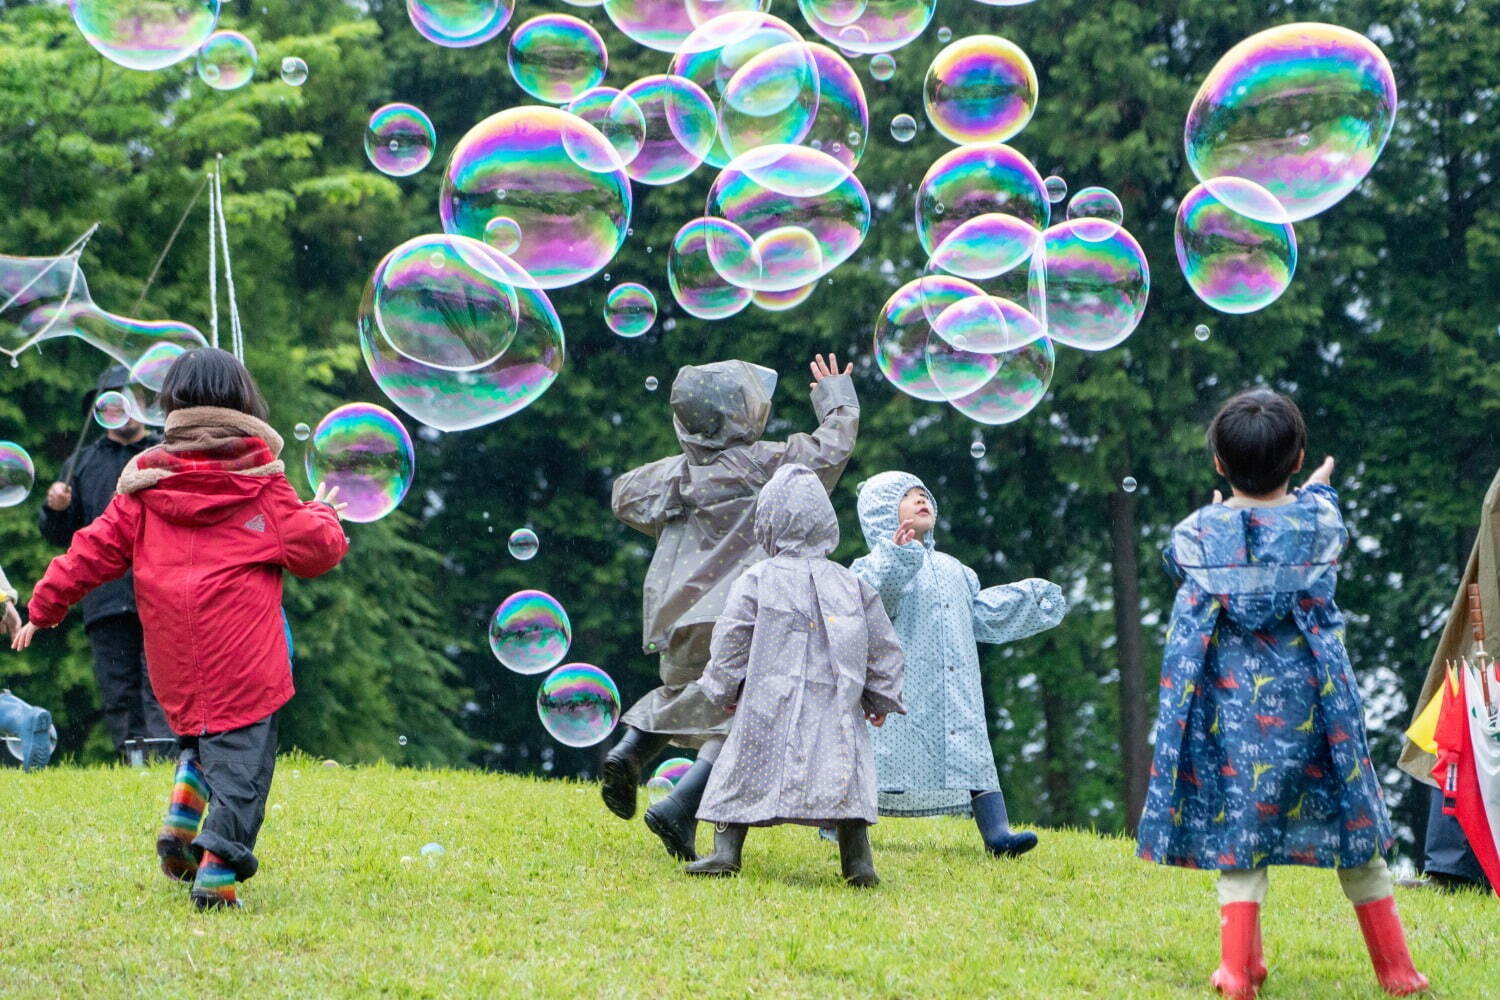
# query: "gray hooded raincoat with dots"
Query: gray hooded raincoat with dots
804,649
700,506
932,758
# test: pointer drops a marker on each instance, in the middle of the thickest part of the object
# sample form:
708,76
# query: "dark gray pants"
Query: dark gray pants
1447,850
130,709
237,767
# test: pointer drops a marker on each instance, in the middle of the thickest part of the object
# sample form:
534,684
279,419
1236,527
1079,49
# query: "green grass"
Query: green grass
543,893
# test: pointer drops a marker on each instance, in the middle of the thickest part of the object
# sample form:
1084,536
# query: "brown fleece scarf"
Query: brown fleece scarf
206,438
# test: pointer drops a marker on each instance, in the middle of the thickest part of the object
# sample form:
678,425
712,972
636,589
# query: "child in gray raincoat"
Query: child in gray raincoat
803,654
937,758
699,507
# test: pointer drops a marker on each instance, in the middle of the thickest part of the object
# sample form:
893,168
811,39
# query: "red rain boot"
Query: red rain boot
1258,969
1235,976
1387,944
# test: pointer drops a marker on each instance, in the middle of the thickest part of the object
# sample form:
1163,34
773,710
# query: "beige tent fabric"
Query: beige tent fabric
1457,640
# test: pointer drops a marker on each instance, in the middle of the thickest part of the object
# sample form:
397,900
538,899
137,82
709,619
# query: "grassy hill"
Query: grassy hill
540,892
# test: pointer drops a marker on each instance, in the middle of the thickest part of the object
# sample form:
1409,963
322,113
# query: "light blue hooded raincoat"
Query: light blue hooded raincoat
929,760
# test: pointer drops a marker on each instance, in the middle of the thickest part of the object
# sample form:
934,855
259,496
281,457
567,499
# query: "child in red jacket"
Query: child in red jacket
208,521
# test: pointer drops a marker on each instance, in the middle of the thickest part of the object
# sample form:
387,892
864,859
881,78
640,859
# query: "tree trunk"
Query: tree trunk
1125,560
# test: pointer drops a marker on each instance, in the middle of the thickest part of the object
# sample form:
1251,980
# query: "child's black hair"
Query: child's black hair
211,377
1259,437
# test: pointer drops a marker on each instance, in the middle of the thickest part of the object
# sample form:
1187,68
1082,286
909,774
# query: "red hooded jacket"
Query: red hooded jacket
208,549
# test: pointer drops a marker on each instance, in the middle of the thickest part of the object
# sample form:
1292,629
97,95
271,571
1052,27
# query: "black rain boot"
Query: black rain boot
855,859
620,774
675,818
729,840
994,826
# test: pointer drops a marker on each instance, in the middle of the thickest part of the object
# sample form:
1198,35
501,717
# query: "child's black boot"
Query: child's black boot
675,818
994,826
855,859
729,841
621,772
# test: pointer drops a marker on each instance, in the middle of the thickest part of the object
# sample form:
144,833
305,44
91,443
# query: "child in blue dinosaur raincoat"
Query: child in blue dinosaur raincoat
937,758
1261,757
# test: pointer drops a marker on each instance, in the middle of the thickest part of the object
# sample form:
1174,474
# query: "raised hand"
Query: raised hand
329,495
1323,473
905,533
826,369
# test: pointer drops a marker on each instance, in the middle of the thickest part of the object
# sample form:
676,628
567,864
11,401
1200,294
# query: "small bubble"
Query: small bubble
1201,332
1057,188
977,449
1128,484
401,740
945,33
903,128
432,850
394,145
302,432
606,275
651,383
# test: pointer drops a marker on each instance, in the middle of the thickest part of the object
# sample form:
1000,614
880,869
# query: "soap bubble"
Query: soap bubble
530,632
880,26
990,178
1128,484
680,128
111,410
630,309
944,34
986,246
432,850
977,449
150,370
981,88
987,324
227,60
556,57
444,301
696,282
501,233
146,34
38,294
293,71
666,776
1057,188
1201,332
1233,262
1302,110
1095,290
399,140
882,67
1018,383
664,25
651,383
17,474
401,741
455,401
843,119
903,128
301,432
365,451
1098,212
616,116
518,164
771,99
459,24
522,544
783,301
837,13
578,704
904,325
957,372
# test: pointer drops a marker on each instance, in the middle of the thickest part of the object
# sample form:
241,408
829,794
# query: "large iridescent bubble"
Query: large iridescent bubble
517,164
842,125
227,61
146,34
455,401
364,450
616,116
445,301
985,246
459,24
557,57
770,100
630,309
1095,290
35,294
696,283
578,704
17,474
1019,382
904,325
878,26
774,192
984,179
982,88
400,139
680,128
124,339
530,632
665,24
1235,263
1303,110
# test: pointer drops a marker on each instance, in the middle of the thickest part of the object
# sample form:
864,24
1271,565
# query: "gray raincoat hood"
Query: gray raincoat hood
718,406
794,516
879,505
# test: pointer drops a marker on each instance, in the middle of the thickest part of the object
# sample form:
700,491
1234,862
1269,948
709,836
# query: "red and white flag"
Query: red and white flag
1468,767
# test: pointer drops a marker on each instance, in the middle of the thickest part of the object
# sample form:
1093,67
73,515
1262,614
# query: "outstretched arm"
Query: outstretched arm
730,647
826,450
312,540
643,498
1015,610
100,552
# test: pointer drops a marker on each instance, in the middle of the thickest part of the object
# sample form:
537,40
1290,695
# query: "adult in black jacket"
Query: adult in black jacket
109,615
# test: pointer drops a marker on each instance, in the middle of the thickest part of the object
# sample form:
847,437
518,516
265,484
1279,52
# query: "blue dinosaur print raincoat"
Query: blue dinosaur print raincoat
929,760
1261,756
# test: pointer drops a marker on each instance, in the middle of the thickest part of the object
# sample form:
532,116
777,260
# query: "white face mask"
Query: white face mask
767,379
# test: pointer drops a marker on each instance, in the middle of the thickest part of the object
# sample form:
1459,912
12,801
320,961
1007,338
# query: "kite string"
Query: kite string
236,331
213,265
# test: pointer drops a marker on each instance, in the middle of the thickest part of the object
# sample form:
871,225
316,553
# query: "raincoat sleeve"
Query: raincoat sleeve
889,568
1015,610
312,540
100,552
1170,565
643,498
730,649
886,666
826,450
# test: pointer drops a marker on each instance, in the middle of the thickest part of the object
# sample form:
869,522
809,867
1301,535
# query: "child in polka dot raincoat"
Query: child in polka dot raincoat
937,758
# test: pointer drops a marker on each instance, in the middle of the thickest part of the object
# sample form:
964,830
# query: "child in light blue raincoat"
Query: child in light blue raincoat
937,758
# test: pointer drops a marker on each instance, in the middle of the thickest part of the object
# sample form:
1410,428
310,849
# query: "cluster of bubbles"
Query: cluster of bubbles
1286,125
17,474
365,451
